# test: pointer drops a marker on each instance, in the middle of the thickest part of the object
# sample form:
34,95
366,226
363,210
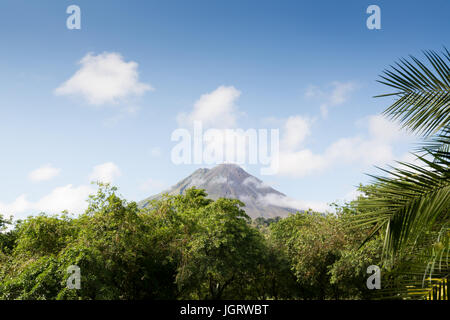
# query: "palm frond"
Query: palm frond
423,93
439,144
408,202
412,202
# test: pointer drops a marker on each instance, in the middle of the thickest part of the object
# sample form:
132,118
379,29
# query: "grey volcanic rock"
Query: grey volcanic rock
231,181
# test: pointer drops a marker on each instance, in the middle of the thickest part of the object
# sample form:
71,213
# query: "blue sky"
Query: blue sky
307,68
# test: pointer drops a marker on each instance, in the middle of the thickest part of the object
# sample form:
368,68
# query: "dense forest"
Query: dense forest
191,247
185,247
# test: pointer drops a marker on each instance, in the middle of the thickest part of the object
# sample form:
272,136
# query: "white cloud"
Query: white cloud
340,92
255,182
324,110
105,172
215,109
411,159
337,95
300,163
367,151
70,198
283,201
313,92
296,129
384,129
373,148
20,204
104,78
44,173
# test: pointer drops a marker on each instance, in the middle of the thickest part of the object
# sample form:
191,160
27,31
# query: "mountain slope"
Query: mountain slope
231,181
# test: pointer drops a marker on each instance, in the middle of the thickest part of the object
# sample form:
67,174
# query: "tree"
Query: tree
320,249
219,251
185,246
113,243
7,238
412,204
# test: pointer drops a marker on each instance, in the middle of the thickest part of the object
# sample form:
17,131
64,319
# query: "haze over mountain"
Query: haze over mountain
231,181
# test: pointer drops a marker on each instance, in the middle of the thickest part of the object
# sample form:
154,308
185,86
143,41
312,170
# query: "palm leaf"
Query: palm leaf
423,93
408,203
412,203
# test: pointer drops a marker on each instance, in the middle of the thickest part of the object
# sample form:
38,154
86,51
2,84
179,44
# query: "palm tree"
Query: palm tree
410,206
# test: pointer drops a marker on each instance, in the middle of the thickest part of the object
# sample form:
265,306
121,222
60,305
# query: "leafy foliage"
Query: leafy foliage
324,256
180,247
423,92
412,203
